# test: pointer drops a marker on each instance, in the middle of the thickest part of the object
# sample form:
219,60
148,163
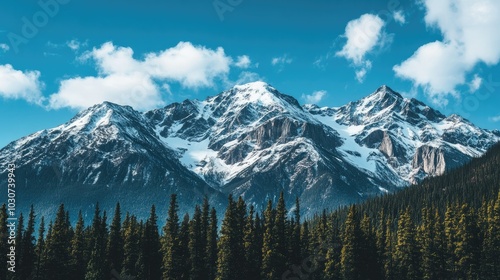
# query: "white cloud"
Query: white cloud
475,84
75,45
399,17
247,77
434,67
314,97
495,119
192,66
470,36
281,61
126,89
125,80
4,47
363,35
243,62
16,84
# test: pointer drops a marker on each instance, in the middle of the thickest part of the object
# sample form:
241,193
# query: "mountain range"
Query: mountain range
251,141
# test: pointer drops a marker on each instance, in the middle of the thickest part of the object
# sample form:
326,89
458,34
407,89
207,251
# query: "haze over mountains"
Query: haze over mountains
251,141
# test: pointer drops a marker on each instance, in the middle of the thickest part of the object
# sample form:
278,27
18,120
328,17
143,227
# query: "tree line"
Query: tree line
461,243
448,227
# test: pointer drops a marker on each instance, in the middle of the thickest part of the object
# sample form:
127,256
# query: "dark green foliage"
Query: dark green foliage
57,256
78,264
446,228
114,251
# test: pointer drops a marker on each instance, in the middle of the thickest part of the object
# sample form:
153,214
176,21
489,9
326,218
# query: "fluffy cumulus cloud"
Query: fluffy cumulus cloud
470,36
16,84
75,45
314,97
124,79
399,17
243,62
363,36
475,84
4,48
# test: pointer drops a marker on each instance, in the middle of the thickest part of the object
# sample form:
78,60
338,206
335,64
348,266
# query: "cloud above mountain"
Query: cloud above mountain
123,79
363,35
470,36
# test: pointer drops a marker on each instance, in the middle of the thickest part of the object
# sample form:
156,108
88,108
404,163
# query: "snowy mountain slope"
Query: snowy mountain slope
404,137
250,140
255,142
105,153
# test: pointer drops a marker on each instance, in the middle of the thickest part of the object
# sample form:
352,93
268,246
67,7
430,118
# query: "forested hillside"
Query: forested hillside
448,227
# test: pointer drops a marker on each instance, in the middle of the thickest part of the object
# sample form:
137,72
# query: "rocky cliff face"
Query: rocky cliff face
251,141
407,139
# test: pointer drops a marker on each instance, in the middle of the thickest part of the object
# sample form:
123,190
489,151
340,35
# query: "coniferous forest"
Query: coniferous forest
448,227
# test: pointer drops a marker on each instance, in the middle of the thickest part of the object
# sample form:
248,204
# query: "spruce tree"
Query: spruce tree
151,247
211,249
26,267
350,254
78,264
185,262
131,247
228,267
205,221
172,261
114,251
467,247
269,244
97,268
332,264
196,246
58,258
252,251
295,248
406,253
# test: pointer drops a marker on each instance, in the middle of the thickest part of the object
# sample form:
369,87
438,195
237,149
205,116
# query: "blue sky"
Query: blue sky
60,56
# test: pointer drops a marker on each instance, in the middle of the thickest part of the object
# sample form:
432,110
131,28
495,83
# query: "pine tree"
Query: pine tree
467,247
185,262
450,229
369,260
332,264
19,246
494,238
205,221
27,263
388,263
57,262
114,251
252,251
211,249
172,260
350,254
131,246
269,244
406,253
78,264
196,246
228,266
97,268
39,252
151,247
295,248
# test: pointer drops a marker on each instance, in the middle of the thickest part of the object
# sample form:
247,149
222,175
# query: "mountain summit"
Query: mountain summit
250,140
